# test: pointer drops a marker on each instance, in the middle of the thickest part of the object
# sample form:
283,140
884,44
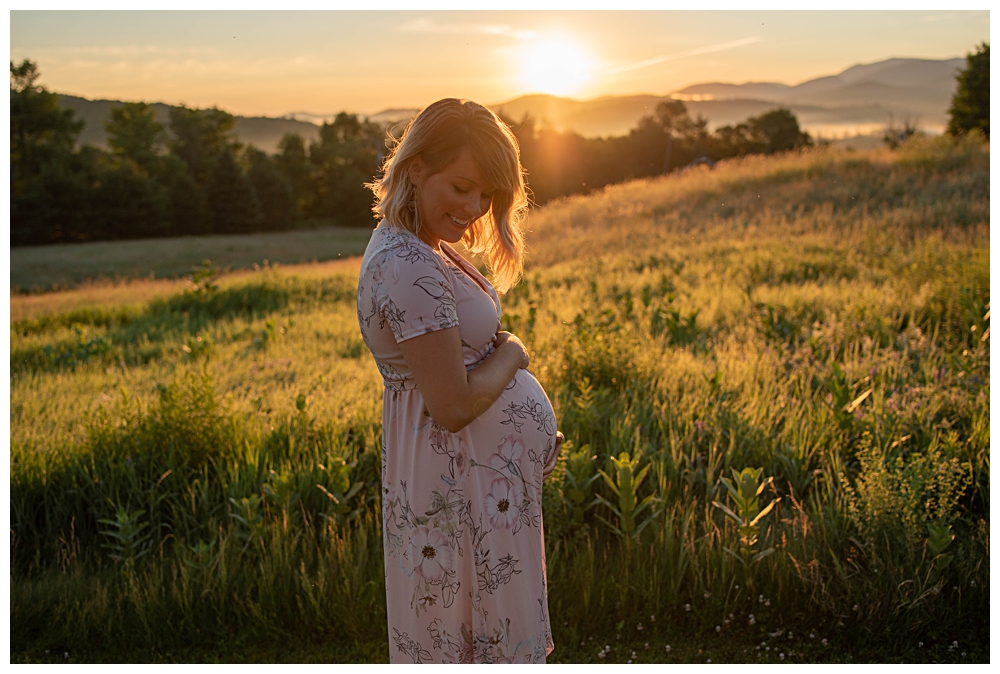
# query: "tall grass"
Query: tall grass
204,467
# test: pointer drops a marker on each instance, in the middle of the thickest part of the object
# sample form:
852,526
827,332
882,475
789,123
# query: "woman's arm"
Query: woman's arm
453,395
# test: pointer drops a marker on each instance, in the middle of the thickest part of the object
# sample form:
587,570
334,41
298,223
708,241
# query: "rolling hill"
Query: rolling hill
861,96
858,100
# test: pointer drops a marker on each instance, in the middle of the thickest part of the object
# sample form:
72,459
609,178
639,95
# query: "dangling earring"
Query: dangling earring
411,204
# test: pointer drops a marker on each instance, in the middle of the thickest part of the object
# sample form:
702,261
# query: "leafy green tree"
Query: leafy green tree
232,202
779,130
134,134
49,181
274,191
187,207
970,107
126,204
345,157
736,141
200,137
293,162
39,128
672,117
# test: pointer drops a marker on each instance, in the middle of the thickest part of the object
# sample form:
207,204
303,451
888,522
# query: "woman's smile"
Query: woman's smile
450,201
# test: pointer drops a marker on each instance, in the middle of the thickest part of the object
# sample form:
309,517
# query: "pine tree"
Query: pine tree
970,107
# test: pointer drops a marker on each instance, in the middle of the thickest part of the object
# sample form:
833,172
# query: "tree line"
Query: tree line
193,176
189,177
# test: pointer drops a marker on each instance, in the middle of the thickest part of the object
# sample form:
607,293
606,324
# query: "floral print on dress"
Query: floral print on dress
461,512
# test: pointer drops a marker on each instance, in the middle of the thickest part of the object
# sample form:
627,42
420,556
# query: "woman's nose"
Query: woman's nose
474,207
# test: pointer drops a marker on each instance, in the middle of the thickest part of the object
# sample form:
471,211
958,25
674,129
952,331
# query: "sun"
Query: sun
555,66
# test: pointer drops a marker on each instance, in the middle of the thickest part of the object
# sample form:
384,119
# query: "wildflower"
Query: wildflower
920,644
812,635
633,654
629,662
709,660
707,595
855,607
600,654
668,648
973,583
767,602
725,621
646,646
767,648
652,618
760,600
718,628
687,607
737,587
781,655
639,627
823,642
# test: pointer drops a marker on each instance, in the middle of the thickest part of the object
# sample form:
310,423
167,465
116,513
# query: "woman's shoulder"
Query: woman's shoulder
400,247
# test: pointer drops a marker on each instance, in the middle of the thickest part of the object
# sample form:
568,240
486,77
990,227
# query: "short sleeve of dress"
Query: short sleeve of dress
412,292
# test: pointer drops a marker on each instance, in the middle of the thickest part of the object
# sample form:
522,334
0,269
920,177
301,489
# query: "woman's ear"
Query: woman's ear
416,169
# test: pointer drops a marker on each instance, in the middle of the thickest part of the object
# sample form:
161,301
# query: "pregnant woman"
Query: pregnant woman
468,434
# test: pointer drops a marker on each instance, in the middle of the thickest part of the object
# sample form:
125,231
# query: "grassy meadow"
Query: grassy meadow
773,378
41,268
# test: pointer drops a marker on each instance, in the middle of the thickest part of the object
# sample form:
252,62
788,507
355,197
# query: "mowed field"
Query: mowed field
41,268
194,464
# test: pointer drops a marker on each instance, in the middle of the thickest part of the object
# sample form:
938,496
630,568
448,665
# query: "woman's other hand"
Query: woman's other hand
503,337
550,461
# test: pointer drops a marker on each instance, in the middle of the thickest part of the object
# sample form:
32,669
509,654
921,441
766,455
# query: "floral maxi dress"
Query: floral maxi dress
462,516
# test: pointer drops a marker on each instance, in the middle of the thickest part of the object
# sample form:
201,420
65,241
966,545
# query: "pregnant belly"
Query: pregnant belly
524,407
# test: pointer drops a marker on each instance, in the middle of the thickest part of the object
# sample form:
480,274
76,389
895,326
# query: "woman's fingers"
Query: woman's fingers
503,337
550,460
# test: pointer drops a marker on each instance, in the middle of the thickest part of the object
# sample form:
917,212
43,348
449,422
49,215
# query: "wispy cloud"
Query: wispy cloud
684,54
428,26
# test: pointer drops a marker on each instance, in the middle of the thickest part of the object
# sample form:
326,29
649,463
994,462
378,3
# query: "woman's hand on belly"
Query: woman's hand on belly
454,396
503,337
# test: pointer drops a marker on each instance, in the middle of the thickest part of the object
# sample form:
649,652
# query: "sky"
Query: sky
275,63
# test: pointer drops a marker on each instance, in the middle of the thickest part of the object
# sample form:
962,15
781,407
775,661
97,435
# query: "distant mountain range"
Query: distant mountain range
857,101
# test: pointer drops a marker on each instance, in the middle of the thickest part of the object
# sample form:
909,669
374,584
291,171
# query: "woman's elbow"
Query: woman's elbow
455,425
451,419
457,415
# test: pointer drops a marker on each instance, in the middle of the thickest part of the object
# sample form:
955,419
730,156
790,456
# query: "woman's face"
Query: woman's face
449,201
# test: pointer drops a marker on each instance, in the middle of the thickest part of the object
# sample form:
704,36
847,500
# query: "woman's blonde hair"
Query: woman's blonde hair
438,134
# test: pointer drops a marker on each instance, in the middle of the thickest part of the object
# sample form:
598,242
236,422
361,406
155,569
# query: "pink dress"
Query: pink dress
461,512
